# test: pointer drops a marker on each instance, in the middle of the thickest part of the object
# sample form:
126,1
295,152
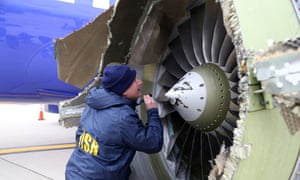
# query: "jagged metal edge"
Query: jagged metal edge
287,101
71,109
288,45
238,150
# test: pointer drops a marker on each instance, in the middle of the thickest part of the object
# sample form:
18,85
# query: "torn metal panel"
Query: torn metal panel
70,115
290,110
70,110
83,54
122,27
152,36
151,39
239,150
279,73
278,70
79,54
115,41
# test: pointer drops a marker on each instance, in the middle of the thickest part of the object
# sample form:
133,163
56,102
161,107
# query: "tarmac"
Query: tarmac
32,147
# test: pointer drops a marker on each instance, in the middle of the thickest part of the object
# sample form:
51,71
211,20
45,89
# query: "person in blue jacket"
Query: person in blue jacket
110,131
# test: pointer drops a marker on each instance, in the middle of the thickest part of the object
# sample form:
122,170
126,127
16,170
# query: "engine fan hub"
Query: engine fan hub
202,97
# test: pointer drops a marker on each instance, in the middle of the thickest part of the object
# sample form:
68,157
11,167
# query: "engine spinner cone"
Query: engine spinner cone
202,97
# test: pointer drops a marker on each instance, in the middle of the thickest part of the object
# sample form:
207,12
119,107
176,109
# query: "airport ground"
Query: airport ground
31,148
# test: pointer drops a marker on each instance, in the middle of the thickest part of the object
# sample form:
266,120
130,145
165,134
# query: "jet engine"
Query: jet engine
191,57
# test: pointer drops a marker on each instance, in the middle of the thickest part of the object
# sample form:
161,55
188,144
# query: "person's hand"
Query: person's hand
149,102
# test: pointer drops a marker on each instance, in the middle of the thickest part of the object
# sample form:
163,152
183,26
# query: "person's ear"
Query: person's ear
125,93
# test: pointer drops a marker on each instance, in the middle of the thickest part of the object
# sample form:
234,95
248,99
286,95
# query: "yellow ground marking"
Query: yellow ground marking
37,148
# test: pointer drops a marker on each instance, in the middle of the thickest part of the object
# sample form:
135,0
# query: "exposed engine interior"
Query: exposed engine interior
190,56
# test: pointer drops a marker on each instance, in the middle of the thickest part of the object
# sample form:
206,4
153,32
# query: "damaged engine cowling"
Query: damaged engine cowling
172,45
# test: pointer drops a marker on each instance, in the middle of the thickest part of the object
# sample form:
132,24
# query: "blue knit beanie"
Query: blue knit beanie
118,78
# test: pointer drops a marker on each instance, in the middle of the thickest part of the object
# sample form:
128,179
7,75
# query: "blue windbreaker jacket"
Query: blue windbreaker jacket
109,134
